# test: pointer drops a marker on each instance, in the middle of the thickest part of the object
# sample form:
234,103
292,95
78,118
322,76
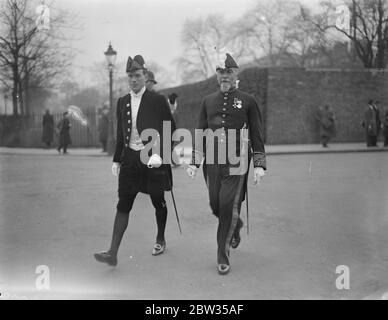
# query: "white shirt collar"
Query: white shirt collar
139,94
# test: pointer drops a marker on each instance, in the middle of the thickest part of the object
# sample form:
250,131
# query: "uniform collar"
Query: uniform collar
231,91
139,94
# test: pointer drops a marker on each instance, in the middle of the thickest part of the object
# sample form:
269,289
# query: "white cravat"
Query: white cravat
135,142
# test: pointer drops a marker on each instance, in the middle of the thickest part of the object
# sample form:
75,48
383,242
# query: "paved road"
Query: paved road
312,213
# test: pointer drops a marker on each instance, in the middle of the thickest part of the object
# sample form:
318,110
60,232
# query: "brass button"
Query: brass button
128,113
128,129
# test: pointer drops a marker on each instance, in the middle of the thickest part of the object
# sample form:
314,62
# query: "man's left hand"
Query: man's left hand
258,174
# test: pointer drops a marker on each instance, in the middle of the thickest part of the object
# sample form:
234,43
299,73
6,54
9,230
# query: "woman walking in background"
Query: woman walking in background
64,133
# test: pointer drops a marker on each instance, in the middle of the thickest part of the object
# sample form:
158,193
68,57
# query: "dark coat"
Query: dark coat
103,126
370,123
234,110
385,124
378,121
48,128
326,120
64,131
153,110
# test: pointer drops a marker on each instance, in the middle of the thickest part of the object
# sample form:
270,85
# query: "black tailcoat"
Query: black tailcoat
153,110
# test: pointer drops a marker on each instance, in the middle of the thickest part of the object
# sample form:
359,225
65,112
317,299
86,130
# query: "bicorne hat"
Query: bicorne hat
137,63
226,62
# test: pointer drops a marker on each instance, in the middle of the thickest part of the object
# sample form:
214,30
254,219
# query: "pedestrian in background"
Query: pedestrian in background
385,128
150,83
326,119
370,125
173,103
378,120
48,129
63,128
103,126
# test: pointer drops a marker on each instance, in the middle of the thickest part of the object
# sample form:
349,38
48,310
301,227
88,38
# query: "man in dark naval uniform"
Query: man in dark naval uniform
224,112
139,110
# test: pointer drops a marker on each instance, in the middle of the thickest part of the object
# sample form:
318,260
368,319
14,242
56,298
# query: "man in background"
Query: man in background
151,82
370,125
48,129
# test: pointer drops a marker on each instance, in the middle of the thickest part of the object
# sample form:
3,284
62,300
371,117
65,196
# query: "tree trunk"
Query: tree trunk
21,104
380,38
15,98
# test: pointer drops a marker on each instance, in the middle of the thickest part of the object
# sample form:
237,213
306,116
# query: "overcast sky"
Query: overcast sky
147,27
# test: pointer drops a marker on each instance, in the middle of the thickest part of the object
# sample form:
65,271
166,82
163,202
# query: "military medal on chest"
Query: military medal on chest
237,103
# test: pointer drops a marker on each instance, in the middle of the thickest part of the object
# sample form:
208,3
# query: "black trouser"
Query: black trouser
225,195
63,144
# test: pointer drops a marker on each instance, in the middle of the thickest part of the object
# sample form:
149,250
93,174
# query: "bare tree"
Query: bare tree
368,28
30,57
267,26
204,40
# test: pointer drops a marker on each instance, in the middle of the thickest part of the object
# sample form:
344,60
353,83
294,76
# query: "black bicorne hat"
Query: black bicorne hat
228,62
137,63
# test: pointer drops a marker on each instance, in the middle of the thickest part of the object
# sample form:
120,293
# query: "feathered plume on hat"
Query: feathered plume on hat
225,60
137,63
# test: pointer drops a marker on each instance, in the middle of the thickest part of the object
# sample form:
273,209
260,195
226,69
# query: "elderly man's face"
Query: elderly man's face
227,78
137,80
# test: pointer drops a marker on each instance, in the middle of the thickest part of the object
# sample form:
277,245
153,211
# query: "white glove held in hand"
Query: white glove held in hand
258,173
115,168
191,171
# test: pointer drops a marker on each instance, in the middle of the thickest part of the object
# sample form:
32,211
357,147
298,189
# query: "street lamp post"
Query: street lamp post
5,103
110,56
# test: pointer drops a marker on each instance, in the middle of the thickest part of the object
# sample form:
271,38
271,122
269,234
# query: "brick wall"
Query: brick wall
294,95
289,97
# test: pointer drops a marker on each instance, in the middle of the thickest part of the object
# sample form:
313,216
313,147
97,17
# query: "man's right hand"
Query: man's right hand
191,171
115,168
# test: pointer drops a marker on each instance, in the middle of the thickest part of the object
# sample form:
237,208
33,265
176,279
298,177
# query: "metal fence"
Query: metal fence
27,131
